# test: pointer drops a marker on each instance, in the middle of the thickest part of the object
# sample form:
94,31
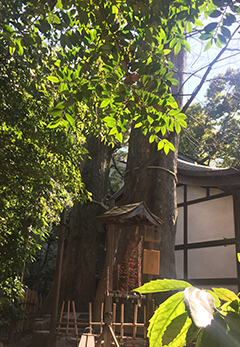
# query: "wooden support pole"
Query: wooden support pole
90,315
60,318
122,322
57,280
68,311
75,320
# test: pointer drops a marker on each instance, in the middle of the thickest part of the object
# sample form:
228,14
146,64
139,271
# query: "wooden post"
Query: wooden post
108,299
75,320
57,280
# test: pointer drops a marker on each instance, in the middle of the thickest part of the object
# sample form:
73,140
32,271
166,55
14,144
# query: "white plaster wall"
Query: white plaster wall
194,193
211,220
180,194
212,262
214,191
179,229
179,264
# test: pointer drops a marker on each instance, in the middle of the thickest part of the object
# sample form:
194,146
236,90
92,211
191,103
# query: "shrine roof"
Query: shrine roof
196,174
132,214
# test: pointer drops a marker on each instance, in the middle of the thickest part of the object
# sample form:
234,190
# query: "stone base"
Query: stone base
40,338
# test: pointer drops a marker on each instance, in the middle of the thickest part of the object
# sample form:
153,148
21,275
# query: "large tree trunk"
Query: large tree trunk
78,280
152,177
78,275
155,184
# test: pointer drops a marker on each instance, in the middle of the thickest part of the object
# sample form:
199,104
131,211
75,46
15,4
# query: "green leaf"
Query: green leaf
180,116
105,103
177,126
169,75
238,257
215,14
54,124
170,145
70,120
166,149
164,285
111,122
229,19
208,45
183,123
189,27
198,23
192,333
221,38
218,43
225,294
55,112
215,335
20,48
151,138
172,43
174,81
8,28
166,51
160,145
113,131
187,46
226,32
210,27
205,36
216,299
177,48
12,49
138,125
53,79
176,332
119,137
163,316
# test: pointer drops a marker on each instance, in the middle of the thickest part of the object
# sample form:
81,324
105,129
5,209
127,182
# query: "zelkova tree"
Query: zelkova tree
109,64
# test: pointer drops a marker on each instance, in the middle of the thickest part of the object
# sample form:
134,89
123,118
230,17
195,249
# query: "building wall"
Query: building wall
205,237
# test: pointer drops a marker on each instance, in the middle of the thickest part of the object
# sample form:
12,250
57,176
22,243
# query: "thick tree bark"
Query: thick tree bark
156,185
78,280
152,177
78,276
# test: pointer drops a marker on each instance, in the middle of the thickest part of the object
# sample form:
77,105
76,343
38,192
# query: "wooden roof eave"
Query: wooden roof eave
130,215
210,181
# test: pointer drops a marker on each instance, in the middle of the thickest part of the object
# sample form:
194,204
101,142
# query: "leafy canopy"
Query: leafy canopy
213,126
111,59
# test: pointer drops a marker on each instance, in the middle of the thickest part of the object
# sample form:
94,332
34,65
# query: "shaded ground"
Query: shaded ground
23,340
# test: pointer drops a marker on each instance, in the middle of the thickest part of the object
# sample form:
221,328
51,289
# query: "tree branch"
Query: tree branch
197,89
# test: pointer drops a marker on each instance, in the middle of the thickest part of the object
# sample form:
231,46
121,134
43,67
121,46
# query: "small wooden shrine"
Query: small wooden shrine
128,216
139,217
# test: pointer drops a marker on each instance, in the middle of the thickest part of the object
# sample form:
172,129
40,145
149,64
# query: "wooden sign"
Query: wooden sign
151,262
152,233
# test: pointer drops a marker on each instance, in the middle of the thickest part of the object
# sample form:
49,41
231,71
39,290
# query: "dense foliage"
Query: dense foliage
213,126
113,58
39,166
211,317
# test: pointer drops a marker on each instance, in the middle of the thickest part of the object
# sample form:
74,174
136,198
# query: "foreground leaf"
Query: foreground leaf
176,332
163,316
225,294
164,285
